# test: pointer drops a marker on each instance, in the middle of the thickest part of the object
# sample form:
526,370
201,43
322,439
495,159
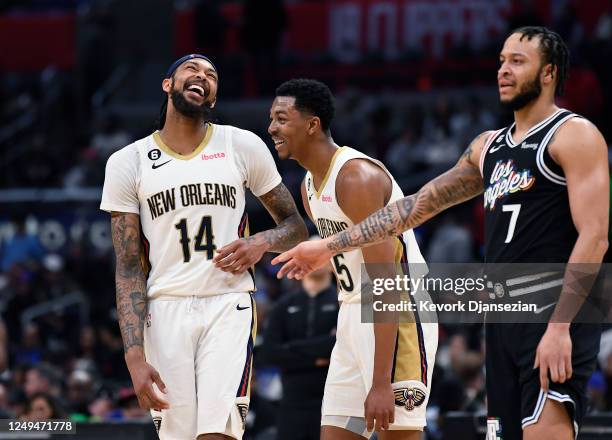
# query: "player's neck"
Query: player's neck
319,159
532,114
183,135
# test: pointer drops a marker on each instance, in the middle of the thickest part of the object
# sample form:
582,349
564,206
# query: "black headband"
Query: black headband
181,60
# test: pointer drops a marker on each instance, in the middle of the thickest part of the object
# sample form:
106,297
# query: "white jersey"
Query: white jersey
189,206
330,219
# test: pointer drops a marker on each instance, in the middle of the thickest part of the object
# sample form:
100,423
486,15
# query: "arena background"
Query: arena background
79,79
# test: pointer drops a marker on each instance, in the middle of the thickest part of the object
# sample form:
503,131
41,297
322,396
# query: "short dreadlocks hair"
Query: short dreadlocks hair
553,49
311,96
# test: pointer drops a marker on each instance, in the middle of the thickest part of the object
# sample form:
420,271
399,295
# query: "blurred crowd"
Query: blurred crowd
61,353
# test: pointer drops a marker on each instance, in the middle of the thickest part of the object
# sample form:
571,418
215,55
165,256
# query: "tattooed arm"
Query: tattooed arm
131,290
460,183
130,282
290,230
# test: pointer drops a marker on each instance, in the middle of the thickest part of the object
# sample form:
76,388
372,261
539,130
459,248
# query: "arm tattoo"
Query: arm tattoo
129,279
290,229
460,183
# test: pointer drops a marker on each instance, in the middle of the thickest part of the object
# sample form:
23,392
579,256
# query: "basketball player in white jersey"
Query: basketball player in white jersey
380,374
176,197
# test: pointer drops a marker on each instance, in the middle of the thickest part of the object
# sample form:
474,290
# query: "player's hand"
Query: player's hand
380,408
241,254
554,354
303,259
143,377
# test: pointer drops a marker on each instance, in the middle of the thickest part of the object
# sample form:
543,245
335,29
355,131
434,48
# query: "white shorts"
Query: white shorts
203,350
352,364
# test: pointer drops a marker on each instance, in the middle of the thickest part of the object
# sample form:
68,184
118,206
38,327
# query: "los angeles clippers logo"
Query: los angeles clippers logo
506,179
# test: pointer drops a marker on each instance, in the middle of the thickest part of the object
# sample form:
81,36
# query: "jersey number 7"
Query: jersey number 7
514,209
204,240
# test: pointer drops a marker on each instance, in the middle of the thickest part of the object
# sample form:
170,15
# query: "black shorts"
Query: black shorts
513,386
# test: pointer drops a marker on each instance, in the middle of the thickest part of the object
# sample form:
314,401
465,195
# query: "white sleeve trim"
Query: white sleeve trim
109,207
270,187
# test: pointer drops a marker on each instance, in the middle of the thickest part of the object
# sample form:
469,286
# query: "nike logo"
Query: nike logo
539,310
495,148
156,166
241,308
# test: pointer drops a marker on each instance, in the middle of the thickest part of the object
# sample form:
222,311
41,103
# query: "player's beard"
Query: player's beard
529,92
189,109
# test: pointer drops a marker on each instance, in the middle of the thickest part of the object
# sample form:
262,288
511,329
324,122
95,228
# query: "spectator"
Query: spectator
31,349
22,247
128,405
5,412
88,344
101,408
42,407
80,393
42,378
55,282
299,339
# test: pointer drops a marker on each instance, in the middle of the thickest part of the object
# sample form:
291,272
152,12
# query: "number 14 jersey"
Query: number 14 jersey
189,206
527,211
330,219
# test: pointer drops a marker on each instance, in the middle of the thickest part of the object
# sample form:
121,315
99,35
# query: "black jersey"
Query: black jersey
527,212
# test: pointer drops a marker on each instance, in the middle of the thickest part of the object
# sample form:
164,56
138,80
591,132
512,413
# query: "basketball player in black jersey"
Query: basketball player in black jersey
545,181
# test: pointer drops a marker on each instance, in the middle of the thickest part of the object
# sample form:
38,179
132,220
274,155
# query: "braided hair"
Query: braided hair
553,50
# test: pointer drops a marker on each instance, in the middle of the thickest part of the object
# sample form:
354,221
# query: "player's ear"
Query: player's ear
549,71
313,125
166,85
